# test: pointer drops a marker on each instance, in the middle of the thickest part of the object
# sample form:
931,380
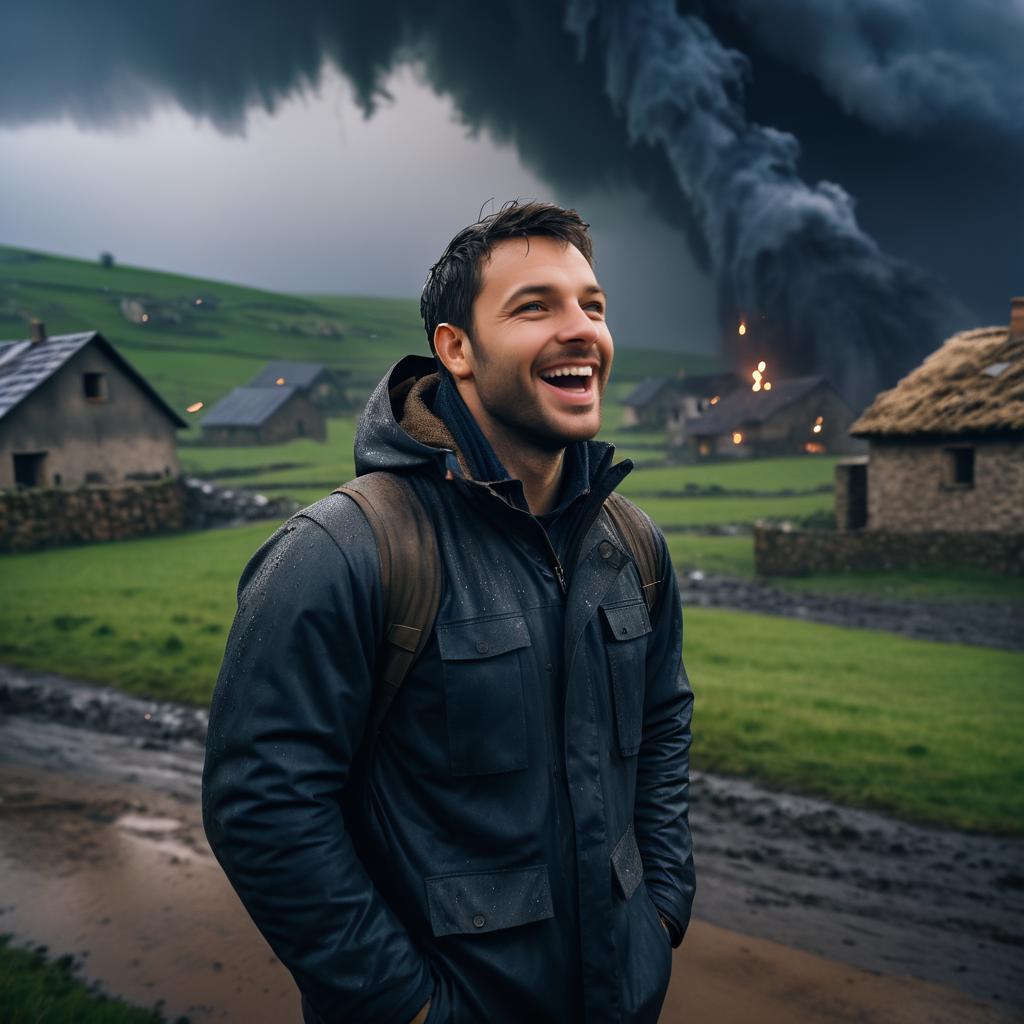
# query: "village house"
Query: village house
693,396
74,412
946,445
263,415
943,482
647,405
323,386
796,416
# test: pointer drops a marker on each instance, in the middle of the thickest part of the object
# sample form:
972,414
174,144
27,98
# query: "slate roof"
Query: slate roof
24,366
973,384
646,391
248,407
745,407
297,375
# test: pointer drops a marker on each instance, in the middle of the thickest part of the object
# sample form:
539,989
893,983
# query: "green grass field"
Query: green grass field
866,718
35,991
928,732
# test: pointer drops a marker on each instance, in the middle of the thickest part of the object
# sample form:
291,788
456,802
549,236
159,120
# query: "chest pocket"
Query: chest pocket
626,629
483,684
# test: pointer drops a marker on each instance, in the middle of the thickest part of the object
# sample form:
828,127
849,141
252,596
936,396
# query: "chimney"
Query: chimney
37,331
1017,318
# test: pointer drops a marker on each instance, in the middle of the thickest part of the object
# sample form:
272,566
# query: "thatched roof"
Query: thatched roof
973,384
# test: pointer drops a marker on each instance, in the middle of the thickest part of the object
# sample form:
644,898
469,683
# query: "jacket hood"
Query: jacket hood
397,430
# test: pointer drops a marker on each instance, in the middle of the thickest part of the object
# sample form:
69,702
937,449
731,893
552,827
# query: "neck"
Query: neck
540,471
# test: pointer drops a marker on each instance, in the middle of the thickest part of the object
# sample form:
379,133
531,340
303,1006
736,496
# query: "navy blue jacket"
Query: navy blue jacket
524,818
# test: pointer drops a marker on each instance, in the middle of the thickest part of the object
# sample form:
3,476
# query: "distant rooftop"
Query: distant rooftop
746,407
248,407
25,365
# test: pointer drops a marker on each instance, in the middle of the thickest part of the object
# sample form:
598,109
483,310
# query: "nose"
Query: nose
577,327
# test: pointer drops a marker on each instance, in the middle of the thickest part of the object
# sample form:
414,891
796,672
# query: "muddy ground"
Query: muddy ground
980,623
102,855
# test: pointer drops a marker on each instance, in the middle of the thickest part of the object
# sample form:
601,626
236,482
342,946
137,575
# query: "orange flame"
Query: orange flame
742,329
737,438
758,378
280,380
194,407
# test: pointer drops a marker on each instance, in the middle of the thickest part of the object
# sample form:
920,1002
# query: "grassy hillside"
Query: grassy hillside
225,338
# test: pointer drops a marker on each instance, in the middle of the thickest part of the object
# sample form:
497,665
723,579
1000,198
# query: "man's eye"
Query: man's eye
530,307
595,307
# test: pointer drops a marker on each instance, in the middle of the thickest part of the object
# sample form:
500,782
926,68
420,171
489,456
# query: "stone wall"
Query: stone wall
32,519
779,551
911,487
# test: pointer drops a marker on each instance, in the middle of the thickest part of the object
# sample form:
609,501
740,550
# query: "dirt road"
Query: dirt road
102,856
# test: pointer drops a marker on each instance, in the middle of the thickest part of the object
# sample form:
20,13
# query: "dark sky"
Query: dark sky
846,174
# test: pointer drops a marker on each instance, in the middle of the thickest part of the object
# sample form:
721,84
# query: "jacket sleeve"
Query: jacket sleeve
287,717
661,814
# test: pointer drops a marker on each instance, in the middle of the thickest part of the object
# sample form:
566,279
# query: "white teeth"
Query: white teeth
569,371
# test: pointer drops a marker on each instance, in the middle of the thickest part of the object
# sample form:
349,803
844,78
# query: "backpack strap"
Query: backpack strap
636,531
410,574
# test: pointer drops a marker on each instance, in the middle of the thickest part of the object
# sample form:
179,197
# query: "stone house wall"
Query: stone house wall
38,518
911,487
116,437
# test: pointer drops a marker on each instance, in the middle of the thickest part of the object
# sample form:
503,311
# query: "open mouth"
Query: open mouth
577,379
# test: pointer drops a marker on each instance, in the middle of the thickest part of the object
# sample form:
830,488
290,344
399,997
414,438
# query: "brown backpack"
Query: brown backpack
410,573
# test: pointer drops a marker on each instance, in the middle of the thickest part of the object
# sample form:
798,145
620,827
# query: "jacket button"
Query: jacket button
481,647
605,549
479,921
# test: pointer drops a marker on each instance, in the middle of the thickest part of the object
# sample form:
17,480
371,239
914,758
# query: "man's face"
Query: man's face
540,351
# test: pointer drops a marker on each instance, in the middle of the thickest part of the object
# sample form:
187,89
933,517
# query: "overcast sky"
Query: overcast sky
845,175
317,198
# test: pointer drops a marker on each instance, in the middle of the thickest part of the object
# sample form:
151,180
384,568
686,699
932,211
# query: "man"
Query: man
517,848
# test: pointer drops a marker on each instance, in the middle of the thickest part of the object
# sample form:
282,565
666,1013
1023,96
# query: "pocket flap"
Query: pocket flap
627,621
485,901
629,868
482,638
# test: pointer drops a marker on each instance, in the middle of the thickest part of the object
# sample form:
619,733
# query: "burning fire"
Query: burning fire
737,438
816,429
194,407
280,380
758,376
715,400
742,329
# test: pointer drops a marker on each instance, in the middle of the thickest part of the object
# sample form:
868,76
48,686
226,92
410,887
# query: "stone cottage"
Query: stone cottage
801,415
263,415
947,443
324,387
943,482
74,412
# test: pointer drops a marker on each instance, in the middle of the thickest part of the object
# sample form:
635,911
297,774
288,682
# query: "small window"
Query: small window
94,386
28,469
961,462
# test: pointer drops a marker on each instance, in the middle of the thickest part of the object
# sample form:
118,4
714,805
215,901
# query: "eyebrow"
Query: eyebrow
547,289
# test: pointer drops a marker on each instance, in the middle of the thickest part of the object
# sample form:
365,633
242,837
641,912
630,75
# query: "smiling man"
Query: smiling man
505,837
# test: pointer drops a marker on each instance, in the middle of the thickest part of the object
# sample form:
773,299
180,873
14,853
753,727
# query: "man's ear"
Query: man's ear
453,349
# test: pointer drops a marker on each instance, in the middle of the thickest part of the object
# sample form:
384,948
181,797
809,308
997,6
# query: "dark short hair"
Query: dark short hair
454,281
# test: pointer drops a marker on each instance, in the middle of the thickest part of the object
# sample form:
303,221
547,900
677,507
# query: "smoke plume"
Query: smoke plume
595,95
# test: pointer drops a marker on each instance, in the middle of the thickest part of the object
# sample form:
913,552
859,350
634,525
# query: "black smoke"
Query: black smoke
593,96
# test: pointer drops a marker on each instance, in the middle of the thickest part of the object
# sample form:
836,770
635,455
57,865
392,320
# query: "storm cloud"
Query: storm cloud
596,95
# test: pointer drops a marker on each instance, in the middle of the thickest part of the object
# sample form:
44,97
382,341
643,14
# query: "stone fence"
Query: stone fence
33,518
782,551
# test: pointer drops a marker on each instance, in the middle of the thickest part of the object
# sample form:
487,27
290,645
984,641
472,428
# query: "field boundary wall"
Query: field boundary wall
44,518
782,551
